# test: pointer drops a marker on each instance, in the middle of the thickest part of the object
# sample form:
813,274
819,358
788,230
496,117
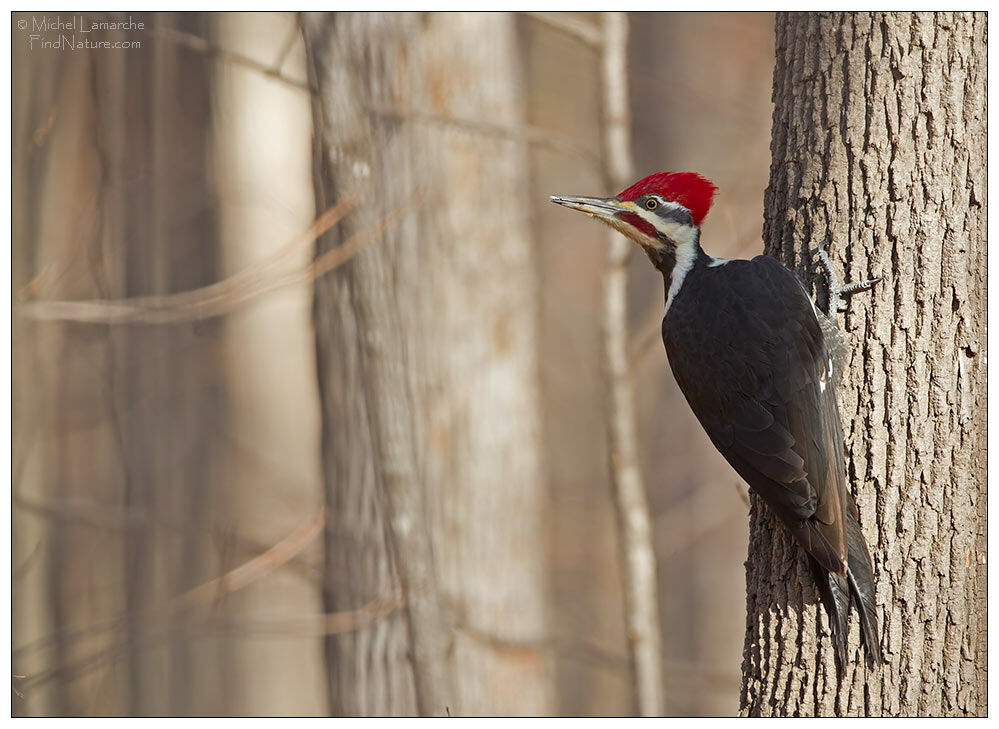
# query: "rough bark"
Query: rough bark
879,147
427,365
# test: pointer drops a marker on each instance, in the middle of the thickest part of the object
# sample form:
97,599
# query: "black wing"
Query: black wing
746,348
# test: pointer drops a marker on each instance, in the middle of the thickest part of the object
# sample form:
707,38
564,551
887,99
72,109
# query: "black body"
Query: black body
747,348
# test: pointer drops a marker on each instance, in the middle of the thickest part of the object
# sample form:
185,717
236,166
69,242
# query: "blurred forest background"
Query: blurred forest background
175,543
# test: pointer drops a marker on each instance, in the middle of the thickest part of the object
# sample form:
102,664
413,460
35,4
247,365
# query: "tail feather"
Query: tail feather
835,594
861,578
858,587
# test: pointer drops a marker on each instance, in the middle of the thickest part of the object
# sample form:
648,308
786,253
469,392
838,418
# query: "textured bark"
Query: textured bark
879,147
427,366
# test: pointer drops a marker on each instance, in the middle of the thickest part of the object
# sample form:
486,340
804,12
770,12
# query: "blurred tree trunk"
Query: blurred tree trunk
155,112
269,456
585,586
116,422
879,146
426,348
701,524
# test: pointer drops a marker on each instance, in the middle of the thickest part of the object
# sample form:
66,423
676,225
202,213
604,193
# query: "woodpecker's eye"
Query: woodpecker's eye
651,203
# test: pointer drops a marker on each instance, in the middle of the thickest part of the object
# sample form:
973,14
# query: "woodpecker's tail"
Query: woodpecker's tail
860,575
835,594
858,587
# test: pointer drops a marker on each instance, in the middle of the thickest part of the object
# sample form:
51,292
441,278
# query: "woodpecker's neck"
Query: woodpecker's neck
675,262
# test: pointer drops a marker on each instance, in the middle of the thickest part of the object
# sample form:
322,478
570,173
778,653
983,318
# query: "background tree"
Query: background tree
427,363
117,418
158,459
879,147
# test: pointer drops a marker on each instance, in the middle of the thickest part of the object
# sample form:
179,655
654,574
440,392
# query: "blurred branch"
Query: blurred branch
41,134
634,523
345,621
516,132
226,295
571,26
259,566
21,570
198,303
294,33
236,579
574,647
200,45
97,515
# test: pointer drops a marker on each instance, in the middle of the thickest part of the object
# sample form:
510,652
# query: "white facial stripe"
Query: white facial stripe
679,233
686,254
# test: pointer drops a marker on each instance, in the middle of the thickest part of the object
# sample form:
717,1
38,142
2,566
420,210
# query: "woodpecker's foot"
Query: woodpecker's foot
839,292
851,289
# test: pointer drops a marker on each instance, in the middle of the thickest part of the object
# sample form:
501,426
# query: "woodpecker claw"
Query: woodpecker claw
839,292
853,288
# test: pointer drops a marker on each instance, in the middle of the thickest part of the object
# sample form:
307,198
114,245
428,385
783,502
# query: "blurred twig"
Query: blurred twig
106,516
516,132
235,579
578,648
294,33
345,621
197,303
259,566
226,295
565,23
200,45
634,523
21,570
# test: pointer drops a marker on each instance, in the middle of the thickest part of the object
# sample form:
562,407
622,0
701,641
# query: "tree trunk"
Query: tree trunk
116,423
879,147
638,563
427,366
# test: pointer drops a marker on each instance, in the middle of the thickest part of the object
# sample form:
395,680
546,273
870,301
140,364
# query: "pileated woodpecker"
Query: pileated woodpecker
755,359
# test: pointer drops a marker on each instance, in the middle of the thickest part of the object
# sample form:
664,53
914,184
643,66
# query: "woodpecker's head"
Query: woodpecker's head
660,212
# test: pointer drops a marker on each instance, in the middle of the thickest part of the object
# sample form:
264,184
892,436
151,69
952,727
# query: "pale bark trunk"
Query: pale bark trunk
263,170
631,505
427,366
879,146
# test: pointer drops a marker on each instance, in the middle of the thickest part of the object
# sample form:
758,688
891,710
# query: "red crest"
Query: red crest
686,188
